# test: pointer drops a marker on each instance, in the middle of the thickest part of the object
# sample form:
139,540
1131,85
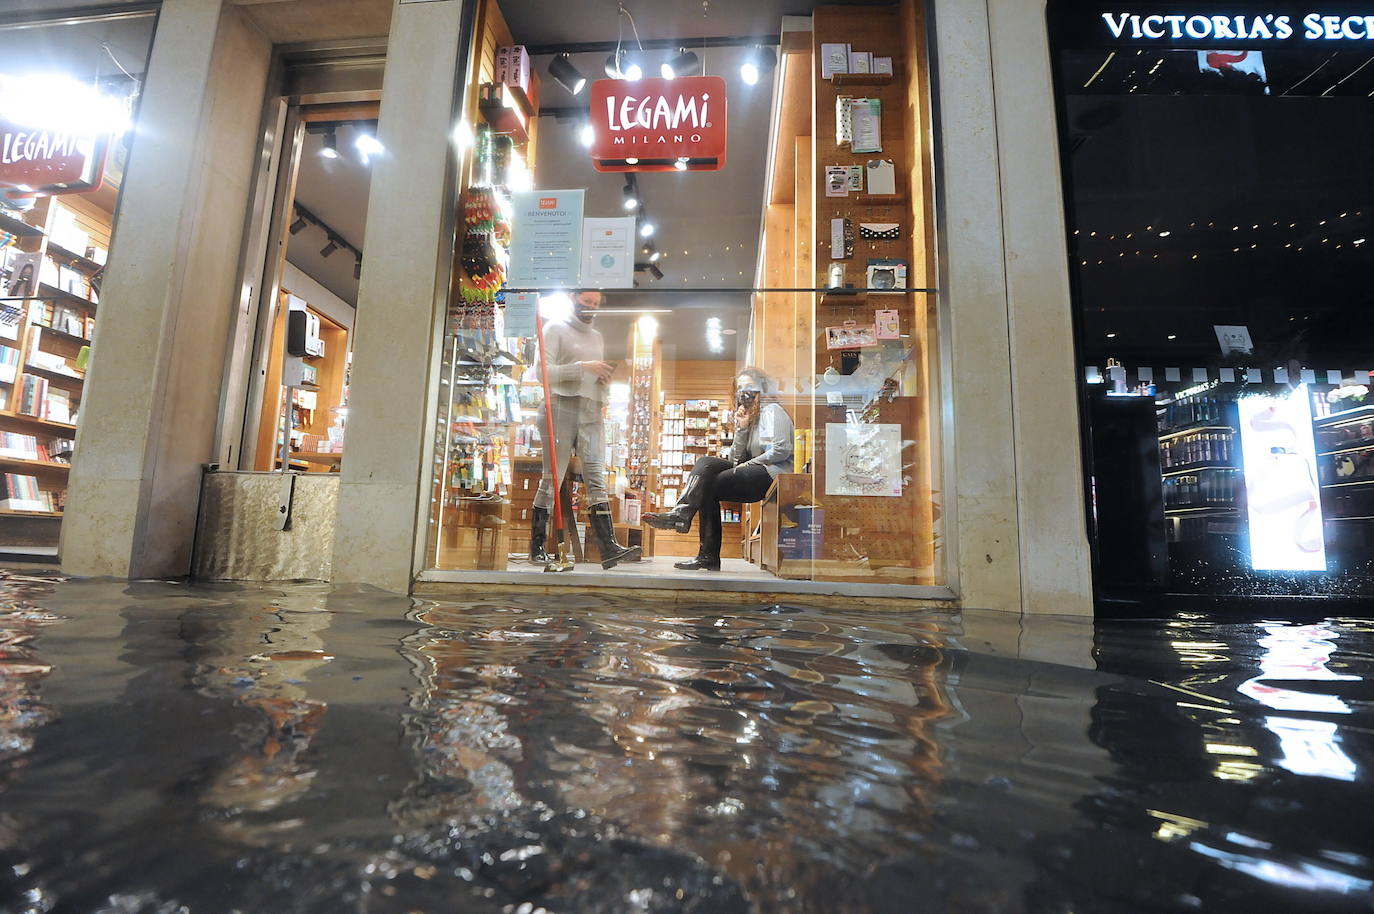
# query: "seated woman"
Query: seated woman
762,449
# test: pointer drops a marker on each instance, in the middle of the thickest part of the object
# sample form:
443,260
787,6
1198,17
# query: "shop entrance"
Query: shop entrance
696,258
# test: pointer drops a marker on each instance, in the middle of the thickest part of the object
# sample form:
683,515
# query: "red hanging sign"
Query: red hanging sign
38,161
659,124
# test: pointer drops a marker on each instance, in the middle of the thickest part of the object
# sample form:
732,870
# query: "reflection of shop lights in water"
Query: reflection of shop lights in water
1283,501
58,103
1305,875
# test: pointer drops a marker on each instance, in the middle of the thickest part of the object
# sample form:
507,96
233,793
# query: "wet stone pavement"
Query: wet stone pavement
166,748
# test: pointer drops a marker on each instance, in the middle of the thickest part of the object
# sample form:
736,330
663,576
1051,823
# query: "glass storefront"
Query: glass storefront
700,249
1220,197
68,94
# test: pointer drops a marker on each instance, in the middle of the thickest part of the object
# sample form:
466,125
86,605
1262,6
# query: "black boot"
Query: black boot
680,517
539,532
612,553
708,555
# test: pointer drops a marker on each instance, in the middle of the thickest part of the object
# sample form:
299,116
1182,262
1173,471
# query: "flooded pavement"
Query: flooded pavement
167,749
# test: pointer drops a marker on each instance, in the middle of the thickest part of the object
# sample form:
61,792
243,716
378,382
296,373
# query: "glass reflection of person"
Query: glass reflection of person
579,380
762,449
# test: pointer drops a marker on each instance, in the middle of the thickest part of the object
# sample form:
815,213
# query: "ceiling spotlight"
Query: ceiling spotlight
330,150
368,146
631,196
758,62
685,63
330,248
299,224
587,136
646,230
358,268
681,164
621,65
632,161
655,272
653,258
569,77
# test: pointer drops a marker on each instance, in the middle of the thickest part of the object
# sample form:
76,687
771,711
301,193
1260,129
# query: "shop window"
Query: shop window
68,98
718,289
1219,204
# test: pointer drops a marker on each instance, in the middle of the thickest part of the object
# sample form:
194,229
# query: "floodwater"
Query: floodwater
168,749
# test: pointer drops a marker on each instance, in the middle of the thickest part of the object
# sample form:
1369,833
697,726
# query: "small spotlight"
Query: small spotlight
655,272
368,146
758,62
685,63
330,150
653,258
621,65
681,164
632,161
587,135
300,223
646,230
631,196
330,248
358,268
569,77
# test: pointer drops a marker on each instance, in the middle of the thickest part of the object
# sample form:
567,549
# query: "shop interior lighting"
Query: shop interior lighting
684,63
561,68
368,146
329,248
330,149
631,194
647,229
655,272
587,136
623,65
681,163
758,62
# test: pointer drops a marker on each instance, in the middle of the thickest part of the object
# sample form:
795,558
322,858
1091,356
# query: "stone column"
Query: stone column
151,400
401,301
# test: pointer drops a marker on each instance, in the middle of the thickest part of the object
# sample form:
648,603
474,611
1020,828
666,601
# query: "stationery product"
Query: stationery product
834,59
841,239
882,177
888,325
856,179
865,125
850,335
836,181
879,231
860,62
886,274
835,279
843,120
882,65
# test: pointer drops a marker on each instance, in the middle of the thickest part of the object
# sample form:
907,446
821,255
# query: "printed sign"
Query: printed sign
546,239
37,161
657,124
608,253
1188,25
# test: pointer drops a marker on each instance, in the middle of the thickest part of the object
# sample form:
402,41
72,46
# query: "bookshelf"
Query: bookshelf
50,269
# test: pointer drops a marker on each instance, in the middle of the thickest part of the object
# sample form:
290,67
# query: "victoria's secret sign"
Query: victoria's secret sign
34,160
653,124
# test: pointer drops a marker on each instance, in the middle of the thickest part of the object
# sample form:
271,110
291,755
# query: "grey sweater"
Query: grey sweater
567,343
767,442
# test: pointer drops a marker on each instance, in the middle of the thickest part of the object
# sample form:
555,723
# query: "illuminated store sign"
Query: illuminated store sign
46,161
1249,27
659,124
1282,495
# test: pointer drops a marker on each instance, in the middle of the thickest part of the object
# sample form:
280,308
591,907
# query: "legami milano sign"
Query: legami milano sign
1151,23
35,160
659,124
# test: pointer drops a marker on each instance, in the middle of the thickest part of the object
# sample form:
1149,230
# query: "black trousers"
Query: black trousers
723,481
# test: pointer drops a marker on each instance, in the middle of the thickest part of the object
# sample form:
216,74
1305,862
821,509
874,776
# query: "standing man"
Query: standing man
579,381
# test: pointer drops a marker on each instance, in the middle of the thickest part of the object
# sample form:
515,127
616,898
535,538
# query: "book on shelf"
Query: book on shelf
22,494
9,364
10,316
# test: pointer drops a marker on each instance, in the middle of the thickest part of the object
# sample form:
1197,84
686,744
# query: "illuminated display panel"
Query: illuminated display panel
1282,494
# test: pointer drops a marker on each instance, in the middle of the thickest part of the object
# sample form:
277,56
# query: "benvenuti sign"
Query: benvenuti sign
36,160
659,124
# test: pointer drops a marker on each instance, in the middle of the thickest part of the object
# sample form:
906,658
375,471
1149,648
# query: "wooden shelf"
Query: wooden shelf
863,79
1196,468
1346,415
59,376
6,512
329,459
34,421
1191,429
1353,482
34,464
880,199
80,261
62,334
18,227
1223,509
1345,450
56,294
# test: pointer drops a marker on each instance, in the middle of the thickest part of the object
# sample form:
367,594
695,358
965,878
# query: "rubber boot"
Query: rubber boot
539,532
708,554
612,553
680,517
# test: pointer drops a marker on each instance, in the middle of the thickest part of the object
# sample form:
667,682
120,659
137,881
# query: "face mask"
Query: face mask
582,312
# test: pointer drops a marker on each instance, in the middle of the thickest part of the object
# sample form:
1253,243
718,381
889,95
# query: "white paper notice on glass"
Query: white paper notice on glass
546,239
608,253
521,308
1234,338
863,459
